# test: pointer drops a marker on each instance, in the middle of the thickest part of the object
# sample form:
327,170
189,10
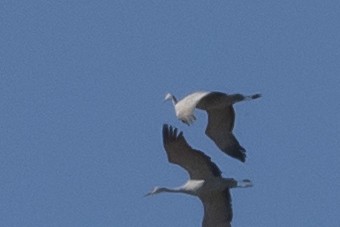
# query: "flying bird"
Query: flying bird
206,181
221,117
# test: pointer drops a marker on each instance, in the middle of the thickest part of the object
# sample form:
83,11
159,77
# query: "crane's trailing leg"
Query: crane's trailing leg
244,184
239,97
255,96
232,183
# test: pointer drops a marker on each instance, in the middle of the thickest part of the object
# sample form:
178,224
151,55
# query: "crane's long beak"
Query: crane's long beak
147,194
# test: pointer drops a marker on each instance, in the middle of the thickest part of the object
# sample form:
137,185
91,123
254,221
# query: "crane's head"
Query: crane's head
155,191
169,96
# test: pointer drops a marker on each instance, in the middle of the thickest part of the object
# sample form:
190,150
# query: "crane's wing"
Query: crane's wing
222,112
219,129
198,165
221,118
217,209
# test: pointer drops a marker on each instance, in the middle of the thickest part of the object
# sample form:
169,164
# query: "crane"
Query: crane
221,117
206,181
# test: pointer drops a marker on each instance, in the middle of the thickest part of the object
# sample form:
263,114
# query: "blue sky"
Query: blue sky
82,85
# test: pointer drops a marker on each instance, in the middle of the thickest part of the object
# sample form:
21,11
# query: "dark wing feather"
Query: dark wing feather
221,118
217,209
220,122
198,165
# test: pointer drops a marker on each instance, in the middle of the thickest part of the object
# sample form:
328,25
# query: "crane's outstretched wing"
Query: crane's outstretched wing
219,129
198,165
221,118
217,209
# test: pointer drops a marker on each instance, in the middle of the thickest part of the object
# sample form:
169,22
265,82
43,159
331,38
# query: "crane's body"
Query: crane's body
185,108
221,117
206,181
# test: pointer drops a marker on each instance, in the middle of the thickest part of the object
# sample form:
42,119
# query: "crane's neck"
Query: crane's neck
176,190
174,100
173,190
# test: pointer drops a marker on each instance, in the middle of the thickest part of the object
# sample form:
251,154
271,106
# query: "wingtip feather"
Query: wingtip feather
170,133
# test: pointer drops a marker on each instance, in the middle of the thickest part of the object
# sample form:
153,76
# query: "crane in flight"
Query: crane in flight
206,181
221,117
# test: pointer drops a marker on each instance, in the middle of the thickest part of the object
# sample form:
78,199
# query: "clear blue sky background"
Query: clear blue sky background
81,91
